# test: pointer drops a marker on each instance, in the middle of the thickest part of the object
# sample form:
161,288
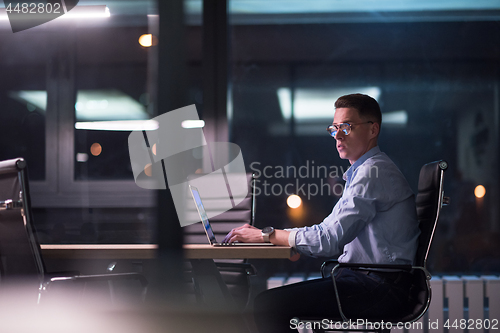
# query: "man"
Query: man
373,222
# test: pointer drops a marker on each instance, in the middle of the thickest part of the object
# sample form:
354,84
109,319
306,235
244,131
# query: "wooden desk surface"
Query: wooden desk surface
205,251
148,251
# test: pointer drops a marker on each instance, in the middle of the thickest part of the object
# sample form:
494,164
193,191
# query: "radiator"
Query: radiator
460,304
470,303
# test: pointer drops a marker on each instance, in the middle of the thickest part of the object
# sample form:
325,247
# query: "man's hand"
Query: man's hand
250,234
245,234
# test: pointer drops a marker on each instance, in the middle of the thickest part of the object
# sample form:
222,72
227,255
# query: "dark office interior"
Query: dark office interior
262,75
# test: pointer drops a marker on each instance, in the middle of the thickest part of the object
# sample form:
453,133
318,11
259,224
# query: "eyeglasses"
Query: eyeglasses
344,127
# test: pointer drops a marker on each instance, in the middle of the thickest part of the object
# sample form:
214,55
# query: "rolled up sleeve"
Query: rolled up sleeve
354,210
327,239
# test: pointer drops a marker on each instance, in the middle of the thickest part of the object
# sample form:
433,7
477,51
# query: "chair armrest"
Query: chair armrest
249,268
325,264
406,268
101,277
375,266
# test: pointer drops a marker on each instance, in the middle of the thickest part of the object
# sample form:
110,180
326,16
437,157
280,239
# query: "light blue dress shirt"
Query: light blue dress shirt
374,221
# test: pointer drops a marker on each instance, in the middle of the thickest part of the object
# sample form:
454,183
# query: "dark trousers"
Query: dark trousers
362,296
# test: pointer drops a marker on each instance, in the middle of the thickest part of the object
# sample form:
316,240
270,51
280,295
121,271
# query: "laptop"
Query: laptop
208,228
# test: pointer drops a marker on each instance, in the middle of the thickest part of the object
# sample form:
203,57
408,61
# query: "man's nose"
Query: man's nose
339,135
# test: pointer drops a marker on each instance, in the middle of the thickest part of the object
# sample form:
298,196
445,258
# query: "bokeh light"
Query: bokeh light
148,170
479,191
294,201
96,149
146,40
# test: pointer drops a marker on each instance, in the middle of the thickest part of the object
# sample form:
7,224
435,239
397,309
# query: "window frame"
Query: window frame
60,189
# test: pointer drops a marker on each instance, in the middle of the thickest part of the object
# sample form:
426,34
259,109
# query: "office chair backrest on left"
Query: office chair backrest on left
21,262
20,257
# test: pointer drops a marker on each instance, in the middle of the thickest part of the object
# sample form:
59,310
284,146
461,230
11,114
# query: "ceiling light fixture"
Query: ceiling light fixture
193,124
118,125
78,12
316,104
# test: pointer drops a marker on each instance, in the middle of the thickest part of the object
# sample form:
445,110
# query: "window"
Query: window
61,75
112,87
431,69
23,102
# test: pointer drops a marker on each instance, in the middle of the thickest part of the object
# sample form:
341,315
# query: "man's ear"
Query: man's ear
375,129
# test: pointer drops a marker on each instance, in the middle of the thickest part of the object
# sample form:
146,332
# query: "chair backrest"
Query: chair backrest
242,213
430,199
20,254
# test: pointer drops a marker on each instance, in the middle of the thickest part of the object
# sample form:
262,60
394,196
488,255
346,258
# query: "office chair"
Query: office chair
429,201
20,254
235,273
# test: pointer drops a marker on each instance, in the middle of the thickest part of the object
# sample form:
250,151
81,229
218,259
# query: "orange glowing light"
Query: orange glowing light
96,149
147,40
294,201
154,149
479,191
148,170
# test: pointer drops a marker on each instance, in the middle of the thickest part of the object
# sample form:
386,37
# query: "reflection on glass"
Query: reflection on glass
430,66
104,105
22,124
103,119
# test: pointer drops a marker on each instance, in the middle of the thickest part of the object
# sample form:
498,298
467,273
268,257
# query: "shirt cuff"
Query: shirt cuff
291,238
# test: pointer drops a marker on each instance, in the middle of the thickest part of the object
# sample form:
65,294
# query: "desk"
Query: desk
207,276
148,251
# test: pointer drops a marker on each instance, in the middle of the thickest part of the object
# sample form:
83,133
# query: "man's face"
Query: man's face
362,138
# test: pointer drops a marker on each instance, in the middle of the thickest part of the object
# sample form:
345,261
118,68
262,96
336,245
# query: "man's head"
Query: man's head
363,116
367,106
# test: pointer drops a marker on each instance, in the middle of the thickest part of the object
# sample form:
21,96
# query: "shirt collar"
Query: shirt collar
348,174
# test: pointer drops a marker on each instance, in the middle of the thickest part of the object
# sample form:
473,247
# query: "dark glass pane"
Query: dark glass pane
95,226
435,80
110,87
23,103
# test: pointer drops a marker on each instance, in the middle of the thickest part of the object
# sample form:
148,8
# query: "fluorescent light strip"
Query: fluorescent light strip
395,118
316,104
87,12
78,12
118,125
246,7
193,124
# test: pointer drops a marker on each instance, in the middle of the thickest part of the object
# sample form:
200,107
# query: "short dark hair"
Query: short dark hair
367,106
